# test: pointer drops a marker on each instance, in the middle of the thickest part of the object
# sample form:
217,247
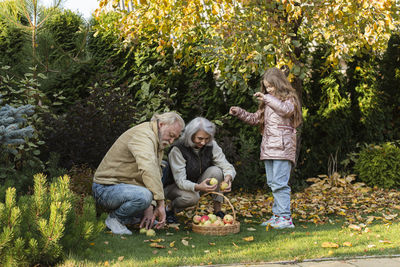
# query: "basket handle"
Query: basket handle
227,200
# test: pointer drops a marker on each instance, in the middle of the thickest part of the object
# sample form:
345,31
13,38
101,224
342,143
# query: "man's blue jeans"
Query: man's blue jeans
124,201
278,174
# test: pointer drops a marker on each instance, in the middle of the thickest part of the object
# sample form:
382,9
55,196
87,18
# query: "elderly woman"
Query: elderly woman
194,159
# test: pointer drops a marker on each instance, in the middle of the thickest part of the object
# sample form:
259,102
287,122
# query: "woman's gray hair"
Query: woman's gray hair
169,118
193,127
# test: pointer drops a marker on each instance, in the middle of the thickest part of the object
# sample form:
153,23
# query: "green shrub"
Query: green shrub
39,229
379,165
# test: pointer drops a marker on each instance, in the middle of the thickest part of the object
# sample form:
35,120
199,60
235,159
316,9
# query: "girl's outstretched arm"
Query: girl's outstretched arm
247,117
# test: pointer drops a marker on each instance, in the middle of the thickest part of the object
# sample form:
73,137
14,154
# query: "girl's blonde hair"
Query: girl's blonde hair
283,91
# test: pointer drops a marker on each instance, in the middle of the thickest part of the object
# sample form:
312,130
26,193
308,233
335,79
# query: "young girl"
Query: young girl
279,114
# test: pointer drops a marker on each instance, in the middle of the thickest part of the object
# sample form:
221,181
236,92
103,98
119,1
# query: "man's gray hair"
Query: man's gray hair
194,126
169,118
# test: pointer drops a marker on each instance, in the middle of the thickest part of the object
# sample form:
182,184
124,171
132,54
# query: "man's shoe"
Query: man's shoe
270,221
282,222
220,214
171,218
116,227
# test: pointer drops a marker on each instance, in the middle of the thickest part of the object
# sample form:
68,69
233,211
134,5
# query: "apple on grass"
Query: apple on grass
143,230
228,219
151,232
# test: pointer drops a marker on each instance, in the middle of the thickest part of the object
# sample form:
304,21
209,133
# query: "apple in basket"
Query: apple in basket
228,219
196,219
204,218
207,223
212,217
218,223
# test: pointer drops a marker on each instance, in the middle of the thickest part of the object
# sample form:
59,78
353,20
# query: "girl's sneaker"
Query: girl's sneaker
270,221
282,222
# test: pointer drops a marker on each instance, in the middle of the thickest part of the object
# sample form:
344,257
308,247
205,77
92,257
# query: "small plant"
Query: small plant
39,229
379,165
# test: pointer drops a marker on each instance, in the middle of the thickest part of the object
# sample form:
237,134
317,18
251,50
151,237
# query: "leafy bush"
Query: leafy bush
90,126
379,165
42,227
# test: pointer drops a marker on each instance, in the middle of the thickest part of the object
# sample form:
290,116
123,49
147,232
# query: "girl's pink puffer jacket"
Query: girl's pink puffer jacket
279,136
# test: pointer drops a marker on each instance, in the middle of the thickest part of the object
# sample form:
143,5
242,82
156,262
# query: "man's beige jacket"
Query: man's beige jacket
135,158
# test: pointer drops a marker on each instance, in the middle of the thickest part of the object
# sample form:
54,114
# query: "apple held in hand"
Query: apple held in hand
196,219
228,219
224,185
213,181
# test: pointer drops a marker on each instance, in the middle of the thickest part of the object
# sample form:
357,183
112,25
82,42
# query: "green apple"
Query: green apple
224,185
151,232
143,230
213,181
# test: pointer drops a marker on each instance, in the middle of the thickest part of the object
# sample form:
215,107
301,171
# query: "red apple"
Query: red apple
228,219
204,218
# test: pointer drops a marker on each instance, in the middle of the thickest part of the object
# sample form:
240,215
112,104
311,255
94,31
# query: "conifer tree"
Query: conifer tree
11,119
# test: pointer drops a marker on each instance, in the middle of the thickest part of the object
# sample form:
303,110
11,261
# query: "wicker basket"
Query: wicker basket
218,230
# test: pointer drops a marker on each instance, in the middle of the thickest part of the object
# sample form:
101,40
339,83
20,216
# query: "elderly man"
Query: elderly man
128,178
194,159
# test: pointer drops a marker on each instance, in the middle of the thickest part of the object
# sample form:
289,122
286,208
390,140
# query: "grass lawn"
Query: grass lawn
306,241
334,218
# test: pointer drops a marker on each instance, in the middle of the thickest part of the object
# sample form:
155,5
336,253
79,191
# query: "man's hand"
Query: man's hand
159,212
205,187
147,220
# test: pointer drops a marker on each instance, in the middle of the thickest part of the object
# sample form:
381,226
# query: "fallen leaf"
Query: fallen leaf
235,244
106,263
371,246
211,243
157,240
206,251
121,258
92,244
123,237
248,239
106,242
185,242
154,252
385,241
347,244
329,245
172,244
355,227
156,245
251,229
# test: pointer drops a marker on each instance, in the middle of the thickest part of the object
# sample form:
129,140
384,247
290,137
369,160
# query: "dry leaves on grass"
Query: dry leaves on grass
357,203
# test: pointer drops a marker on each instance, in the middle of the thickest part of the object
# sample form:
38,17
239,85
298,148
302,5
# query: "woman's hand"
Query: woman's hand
205,187
228,180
